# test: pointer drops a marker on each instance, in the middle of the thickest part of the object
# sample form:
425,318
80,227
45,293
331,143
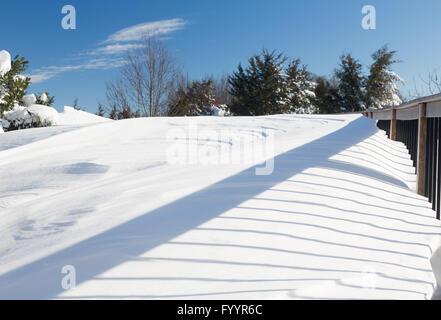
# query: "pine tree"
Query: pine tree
201,97
13,85
178,103
259,89
113,113
45,99
300,88
351,83
100,112
381,87
195,99
241,92
327,99
75,105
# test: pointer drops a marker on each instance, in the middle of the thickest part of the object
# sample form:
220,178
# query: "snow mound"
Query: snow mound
29,100
30,117
336,219
70,116
35,115
5,62
220,111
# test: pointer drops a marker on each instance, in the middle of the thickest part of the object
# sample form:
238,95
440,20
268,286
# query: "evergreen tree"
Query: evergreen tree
300,88
259,89
100,111
201,97
178,104
113,113
13,85
193,99
381,87
327,99
242,94
75,105
45,99
351,84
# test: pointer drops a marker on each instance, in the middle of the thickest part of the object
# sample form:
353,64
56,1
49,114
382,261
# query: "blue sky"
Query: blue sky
211,37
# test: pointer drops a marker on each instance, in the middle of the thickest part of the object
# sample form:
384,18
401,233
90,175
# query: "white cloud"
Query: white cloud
94,64
117,48
137,32
113,46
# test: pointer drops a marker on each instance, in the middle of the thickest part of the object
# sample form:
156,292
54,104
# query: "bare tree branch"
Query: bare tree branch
145,79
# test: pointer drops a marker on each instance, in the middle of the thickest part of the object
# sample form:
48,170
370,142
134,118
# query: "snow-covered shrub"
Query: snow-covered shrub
45,99
220,110
29,117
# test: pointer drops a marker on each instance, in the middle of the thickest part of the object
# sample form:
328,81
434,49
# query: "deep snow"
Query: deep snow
336,219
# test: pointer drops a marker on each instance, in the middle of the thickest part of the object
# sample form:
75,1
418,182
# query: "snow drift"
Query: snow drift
29,117
337,218
35,115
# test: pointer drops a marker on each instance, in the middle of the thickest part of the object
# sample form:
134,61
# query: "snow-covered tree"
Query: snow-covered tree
195,99
45,99
327,99
381,85
300,88
260,88
13,85
350,84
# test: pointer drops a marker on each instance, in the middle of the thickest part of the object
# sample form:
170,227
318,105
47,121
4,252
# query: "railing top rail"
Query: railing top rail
410,104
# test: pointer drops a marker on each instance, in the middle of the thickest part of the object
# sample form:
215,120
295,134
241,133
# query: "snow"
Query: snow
5,62
44,97
338,217
23,117
70,116
48,116
220,111
29,100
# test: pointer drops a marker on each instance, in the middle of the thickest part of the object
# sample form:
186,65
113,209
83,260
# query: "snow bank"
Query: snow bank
336,219
70,116
5,62
34,115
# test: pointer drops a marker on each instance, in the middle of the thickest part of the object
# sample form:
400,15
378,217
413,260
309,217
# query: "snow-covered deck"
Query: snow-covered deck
337,219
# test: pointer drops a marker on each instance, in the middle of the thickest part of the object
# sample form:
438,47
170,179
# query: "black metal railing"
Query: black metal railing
433,164
417,124
407,133
385,126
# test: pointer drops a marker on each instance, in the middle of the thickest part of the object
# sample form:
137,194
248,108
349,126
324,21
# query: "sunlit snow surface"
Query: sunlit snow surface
336,219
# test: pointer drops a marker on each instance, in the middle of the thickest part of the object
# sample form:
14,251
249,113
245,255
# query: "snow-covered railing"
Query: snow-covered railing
417,124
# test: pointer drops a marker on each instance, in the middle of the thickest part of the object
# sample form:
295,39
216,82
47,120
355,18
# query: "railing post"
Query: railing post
393,125
422,143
